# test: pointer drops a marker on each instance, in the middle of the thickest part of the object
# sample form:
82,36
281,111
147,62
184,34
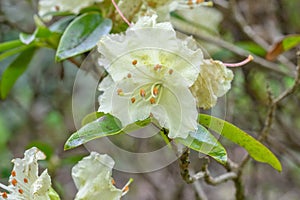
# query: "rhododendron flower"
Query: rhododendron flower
25,183
73,6
150,72
92,177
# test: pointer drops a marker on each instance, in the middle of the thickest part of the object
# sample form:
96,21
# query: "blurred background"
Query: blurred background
38,111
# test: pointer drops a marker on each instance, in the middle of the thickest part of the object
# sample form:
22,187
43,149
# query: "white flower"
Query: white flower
24,181
92,177
73,6
150,72
135,8
214,81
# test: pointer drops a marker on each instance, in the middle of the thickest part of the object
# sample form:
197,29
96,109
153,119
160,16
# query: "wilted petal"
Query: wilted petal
213,81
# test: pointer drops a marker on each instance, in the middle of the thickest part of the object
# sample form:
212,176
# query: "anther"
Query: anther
152,100
171,71
25,180
199,1
4,195
120,92
57,8
13,173
247,60
129,75
190,3
142,92
113,181
21,191
155,91
134,62
126,189
157,67
14,182
132,100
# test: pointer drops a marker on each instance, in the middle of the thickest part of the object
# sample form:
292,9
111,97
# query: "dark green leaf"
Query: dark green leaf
204,142
14,71
82,35
10,45
255,149
61,25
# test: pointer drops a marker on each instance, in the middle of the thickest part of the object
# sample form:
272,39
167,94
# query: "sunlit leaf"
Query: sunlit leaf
255,149
82,35
285,44
14,71
204,142
104,125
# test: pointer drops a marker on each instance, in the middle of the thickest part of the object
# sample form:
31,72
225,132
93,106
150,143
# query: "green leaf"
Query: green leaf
291,41
285,44
82,35
60,25
204,142
91,117
10,45
14,51
53,194
255,149
104,126
14,71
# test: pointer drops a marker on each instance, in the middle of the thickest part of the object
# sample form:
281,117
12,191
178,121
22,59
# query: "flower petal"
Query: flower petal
213,81
92,177
41,187
142,37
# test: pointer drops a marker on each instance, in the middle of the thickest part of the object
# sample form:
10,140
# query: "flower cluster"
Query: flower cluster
154,73
25,183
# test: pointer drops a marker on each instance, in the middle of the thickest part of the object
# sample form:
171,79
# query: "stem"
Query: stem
120,13
247,60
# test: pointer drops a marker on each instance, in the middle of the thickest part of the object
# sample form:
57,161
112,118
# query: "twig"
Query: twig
231,47
247,29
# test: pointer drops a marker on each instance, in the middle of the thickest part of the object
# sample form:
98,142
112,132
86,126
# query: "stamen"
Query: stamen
120,92
152,100
25,180
21,191
157,67
14,182
126,189
155,91
171,71
120,13
113,181
247,60
4,195
13,173
142,92
56,7
134,62
129,75
132,100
